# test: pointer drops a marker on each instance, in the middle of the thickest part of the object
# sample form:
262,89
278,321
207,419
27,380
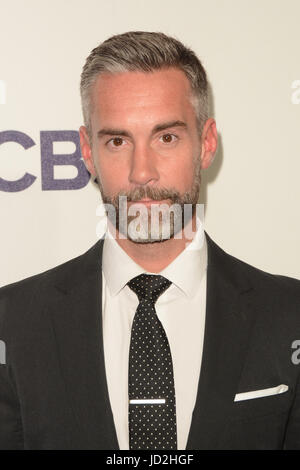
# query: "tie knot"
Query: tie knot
149,286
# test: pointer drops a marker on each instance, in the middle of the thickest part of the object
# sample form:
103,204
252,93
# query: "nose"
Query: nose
143,166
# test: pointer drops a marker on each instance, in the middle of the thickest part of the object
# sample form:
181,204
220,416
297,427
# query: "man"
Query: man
152,339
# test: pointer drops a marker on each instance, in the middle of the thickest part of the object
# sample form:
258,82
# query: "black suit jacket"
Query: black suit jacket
53,390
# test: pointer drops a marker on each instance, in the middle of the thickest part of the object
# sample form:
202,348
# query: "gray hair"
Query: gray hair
144,51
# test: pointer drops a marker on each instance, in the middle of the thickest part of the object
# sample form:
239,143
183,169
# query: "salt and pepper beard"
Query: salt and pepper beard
175,220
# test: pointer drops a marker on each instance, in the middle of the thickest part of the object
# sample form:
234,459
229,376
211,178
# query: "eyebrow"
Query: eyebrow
157,128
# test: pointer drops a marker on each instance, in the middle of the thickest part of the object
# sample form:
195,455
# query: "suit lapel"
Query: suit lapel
77,320
229,319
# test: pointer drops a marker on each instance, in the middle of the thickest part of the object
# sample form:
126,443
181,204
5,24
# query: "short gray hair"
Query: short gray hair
144,51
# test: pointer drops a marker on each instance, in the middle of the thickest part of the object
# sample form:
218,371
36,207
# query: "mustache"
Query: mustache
156,194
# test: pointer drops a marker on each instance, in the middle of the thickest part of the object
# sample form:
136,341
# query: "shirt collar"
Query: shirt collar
185,271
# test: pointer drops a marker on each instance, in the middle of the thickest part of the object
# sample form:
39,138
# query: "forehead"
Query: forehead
141,93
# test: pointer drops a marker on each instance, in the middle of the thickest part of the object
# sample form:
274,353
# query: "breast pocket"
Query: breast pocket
251,408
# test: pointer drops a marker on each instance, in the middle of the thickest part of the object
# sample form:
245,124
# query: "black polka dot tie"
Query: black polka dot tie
152,408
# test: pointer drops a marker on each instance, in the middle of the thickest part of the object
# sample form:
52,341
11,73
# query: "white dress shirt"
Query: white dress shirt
181,310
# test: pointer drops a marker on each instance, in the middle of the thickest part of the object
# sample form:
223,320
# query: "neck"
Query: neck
154,257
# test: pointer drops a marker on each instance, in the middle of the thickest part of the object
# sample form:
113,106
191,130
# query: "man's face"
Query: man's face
145,142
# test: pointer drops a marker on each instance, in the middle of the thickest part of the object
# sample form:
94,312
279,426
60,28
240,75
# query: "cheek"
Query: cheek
180,173
113,178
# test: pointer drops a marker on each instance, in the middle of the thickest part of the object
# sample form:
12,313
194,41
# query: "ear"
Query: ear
209,141
86,150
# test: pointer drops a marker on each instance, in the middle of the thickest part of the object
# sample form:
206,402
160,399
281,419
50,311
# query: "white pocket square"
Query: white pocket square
261,393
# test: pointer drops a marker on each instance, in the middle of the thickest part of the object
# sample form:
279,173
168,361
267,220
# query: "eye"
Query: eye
169,138
115,142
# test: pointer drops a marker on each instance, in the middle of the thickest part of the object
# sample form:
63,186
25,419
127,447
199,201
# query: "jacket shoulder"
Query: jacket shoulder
239,270
70,269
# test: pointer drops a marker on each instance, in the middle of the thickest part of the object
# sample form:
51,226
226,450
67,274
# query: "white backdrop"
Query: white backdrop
251,51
